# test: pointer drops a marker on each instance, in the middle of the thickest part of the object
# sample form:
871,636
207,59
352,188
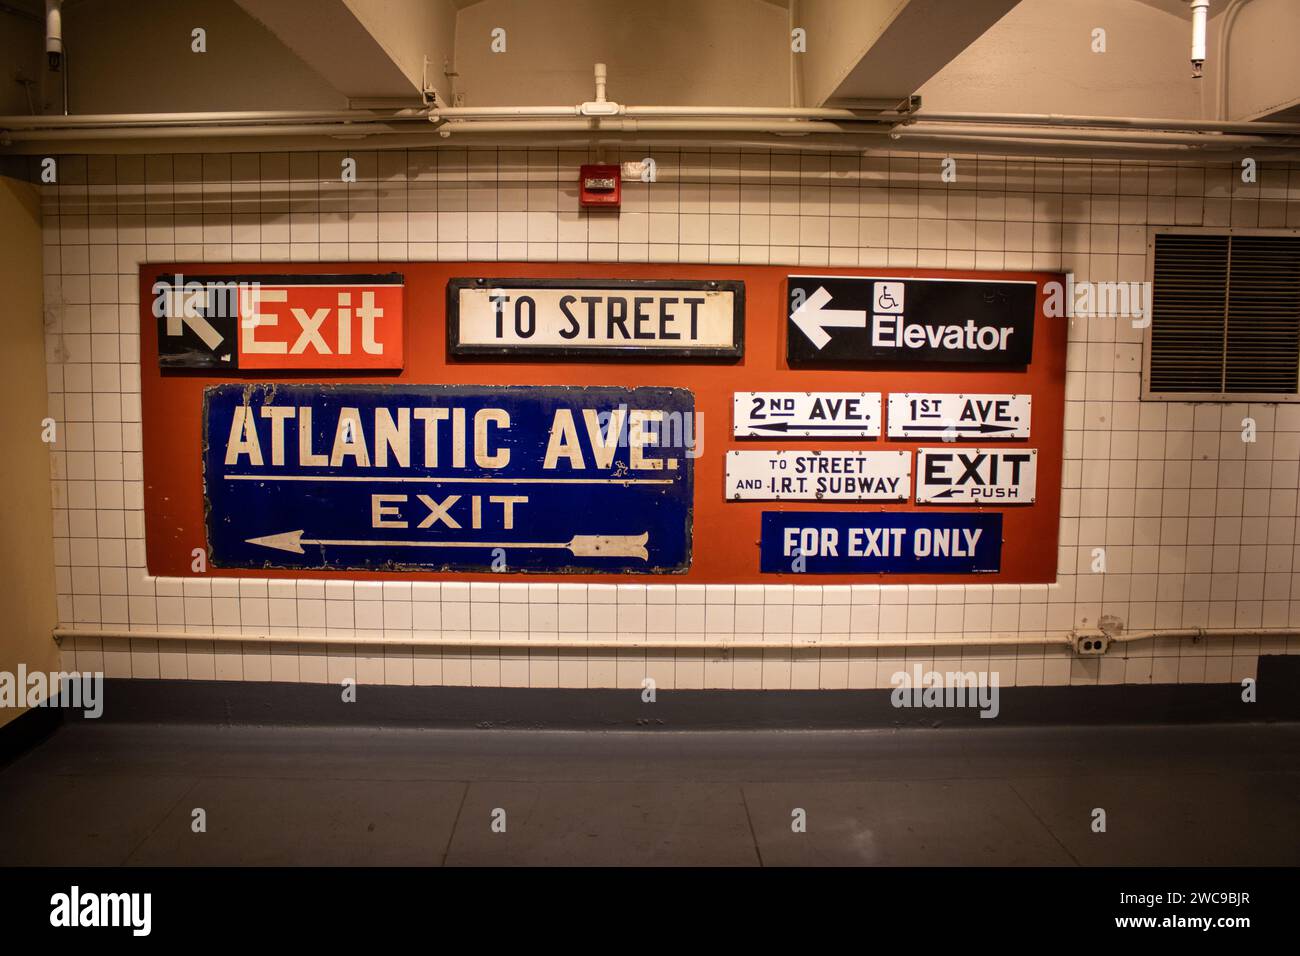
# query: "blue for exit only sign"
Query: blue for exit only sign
897,542
560,479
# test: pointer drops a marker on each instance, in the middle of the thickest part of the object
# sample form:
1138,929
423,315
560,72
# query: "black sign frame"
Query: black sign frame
187,353
625,353
850,347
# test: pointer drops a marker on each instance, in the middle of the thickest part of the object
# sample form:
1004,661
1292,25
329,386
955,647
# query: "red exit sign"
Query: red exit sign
293,322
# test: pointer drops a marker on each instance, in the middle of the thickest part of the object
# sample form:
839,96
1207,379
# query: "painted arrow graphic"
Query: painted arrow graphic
813,319
581,545
786,426
201,326
984,427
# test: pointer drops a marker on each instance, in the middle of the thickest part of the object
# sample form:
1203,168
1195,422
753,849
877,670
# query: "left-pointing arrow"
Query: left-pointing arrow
581,545
287,541
813,319
808,426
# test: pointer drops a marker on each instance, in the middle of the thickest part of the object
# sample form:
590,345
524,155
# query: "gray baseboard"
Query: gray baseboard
27,730
240,702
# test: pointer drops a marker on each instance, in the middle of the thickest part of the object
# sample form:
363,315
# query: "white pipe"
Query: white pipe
523,642
770,112
1092,135
848,116
750,112
379,137
796,64
1192,633
384,137
497,112
199,119
54,33
631,124
395,131
800,127
1083,150
880,117
792,128
1117,122
1070,149
1200,11
884,116
338,130
401,139
600,82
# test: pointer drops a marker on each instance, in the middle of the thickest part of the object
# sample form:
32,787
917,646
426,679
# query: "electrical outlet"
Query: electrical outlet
1091,643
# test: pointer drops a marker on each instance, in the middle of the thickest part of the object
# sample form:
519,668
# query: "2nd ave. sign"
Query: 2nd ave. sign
864,320
806,414
635,319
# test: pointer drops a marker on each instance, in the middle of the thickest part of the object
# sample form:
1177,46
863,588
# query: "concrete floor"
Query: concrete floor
115,794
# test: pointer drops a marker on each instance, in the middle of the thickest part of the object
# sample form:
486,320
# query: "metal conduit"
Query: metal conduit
125,120
523,642
1004,128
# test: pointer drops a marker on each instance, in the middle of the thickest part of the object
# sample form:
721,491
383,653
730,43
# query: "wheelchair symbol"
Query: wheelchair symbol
888,297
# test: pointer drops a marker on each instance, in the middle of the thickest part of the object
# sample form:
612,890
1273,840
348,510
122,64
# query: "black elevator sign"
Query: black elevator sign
901,322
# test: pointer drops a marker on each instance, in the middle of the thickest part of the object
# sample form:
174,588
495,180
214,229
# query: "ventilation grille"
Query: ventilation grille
1226,315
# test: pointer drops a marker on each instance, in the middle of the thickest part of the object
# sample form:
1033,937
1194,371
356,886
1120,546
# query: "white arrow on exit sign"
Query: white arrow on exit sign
813,319
580,545
180,314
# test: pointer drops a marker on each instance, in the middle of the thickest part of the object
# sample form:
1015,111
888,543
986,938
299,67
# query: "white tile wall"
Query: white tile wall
1199,528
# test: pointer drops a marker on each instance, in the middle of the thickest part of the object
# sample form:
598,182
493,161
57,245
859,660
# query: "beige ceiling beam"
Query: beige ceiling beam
877,49
366,49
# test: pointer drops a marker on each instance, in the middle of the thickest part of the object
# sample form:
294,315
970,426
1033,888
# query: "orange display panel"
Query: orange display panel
724,533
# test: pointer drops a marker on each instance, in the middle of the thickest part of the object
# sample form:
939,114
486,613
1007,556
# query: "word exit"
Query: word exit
291,322
976,476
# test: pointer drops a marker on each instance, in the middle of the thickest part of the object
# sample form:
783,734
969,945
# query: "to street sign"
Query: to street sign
561,479
806,414
937,415
819,475
615,318
889,542
864,320
291,322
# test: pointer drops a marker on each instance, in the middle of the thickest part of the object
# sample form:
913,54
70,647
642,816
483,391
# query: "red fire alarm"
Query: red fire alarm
600,185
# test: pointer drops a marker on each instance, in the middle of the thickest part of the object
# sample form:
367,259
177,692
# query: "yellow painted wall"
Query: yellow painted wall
26,529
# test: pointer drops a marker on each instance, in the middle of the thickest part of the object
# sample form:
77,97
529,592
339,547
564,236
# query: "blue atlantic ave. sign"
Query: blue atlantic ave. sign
557,479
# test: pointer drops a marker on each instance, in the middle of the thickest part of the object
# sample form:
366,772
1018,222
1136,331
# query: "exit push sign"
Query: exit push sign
290,322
